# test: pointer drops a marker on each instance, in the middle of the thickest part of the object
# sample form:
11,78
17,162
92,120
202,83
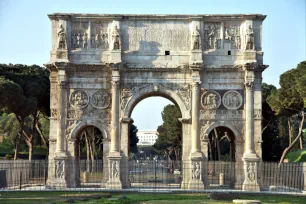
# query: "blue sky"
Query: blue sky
26,32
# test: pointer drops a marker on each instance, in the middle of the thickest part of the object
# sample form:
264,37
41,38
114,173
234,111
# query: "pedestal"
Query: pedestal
115,56
196,170
59,181
114,181
250,173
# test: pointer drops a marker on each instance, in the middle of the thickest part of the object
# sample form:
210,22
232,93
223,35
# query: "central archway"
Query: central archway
139,94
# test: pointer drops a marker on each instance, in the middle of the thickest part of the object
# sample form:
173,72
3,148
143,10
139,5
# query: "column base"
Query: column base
114,183
250,173
195,185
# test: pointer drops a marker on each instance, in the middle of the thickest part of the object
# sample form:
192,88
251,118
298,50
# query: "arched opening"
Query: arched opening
221,144
89,156
221,156
159,147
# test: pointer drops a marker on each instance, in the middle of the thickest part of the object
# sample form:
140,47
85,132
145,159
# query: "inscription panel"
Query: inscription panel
155,35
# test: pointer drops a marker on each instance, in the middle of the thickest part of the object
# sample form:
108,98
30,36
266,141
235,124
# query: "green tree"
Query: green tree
289,100
133,139
170,132
25,91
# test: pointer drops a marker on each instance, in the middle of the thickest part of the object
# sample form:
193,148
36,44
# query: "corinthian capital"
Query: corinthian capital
63,84
249,85
115,84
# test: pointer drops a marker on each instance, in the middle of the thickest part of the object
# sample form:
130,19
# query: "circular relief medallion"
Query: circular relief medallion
232,100
79,99
100,99
211,100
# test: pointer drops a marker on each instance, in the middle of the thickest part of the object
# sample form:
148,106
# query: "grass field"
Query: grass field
141,198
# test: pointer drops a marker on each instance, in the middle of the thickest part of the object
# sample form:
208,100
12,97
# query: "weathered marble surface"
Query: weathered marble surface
102,65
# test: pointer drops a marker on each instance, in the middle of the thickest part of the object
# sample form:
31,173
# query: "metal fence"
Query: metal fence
160,174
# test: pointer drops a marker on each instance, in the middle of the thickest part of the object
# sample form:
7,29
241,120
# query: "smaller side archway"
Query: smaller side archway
88,146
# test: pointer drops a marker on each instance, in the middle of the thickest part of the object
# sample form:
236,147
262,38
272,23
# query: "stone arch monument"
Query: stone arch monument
101,66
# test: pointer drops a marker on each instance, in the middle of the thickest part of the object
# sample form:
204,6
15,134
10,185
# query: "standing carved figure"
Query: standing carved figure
249,39
227,35
210,37
116,38
237,41
92,41
196,170
196,39
115,172
79,40
61,38
97,40
85,38
74,40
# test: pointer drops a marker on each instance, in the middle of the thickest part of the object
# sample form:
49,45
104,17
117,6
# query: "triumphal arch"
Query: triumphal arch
102,65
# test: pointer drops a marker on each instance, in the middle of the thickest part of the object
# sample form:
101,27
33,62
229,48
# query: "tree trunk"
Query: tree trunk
218,145
93,150
285,152
88,152
41,134
289,131
30,145
17,145
301,143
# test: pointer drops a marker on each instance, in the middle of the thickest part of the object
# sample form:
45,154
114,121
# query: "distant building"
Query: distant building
146,137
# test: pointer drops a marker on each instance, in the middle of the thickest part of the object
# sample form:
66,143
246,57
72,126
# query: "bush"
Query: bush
8,157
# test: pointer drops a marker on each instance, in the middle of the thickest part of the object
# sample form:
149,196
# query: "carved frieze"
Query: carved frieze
221,114
183,91
115,171
196,170
60,169
99,37
70,126
212,39
79,35
204,127
155,35
79,99
100,99
210,100
232,33
232,100
251,172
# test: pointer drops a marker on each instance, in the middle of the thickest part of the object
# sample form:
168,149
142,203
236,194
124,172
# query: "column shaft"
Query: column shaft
115,117
195,143
249,123
61,117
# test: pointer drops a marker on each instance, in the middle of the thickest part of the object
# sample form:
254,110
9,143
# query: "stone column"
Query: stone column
195,135
114,181
60,159
196,156
125,148
115,116
249,157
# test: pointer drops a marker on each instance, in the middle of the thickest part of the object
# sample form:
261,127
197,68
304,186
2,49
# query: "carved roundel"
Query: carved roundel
232,100
210,100
79,99
100,99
